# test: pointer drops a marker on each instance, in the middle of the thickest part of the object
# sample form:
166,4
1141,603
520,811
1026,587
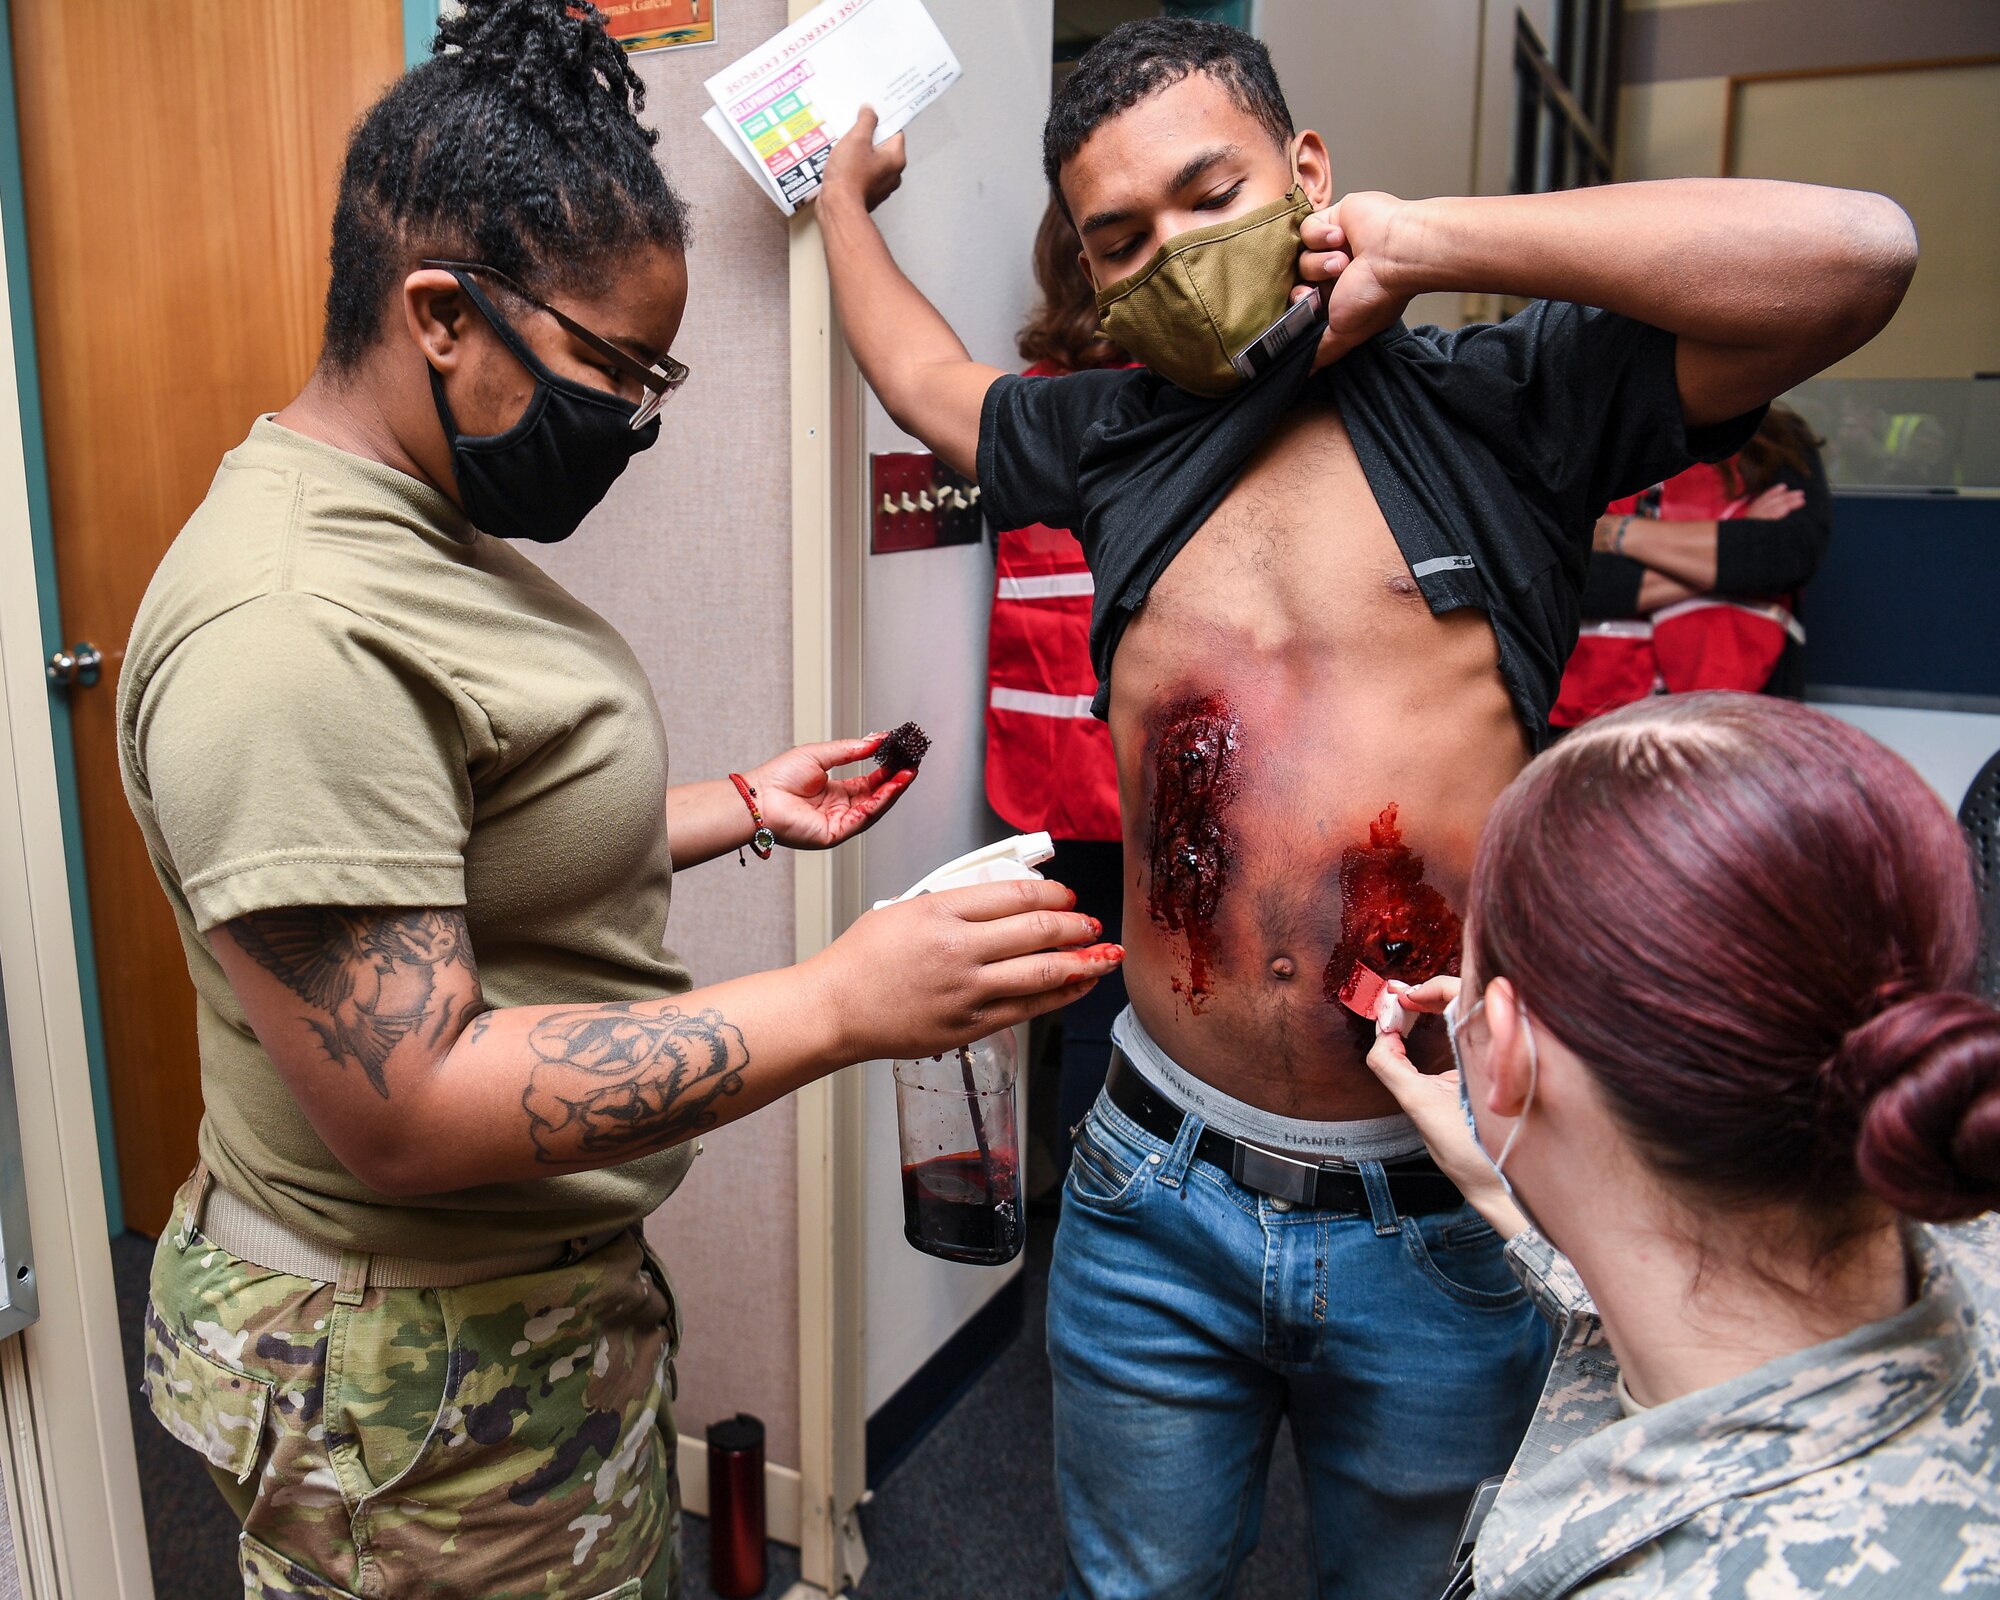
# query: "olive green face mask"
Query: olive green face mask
1207,293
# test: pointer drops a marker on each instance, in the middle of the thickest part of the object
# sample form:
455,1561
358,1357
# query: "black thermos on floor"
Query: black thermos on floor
736,1507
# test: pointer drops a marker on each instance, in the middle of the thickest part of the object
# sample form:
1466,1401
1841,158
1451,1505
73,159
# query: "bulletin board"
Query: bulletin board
690,557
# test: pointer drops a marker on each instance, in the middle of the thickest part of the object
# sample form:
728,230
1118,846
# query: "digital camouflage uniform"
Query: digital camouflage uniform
507,1440
1868,1466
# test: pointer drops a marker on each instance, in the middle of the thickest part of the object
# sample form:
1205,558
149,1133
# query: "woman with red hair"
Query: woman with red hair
1717,1040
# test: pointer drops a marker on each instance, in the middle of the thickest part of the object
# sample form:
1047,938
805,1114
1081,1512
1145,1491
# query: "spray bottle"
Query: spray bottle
955,1121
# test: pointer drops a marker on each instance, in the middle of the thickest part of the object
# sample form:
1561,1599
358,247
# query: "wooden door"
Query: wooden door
180,160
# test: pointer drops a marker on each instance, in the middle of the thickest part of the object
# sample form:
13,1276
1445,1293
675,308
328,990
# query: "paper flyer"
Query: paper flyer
781,107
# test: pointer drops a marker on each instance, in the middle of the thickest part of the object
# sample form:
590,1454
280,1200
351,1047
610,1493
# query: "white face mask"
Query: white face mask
1452,1023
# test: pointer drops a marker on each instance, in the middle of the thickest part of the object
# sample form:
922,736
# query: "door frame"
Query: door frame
829,523
72,1480
26,389
828,501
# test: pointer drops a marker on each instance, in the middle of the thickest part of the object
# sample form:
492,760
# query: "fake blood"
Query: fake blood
904,750
1195,781
1392,923
963,1207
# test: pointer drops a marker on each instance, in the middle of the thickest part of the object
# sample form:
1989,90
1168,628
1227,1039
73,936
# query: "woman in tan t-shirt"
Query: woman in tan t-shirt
408,800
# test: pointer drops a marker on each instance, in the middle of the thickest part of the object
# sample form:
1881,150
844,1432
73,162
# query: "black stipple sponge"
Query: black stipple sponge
904,750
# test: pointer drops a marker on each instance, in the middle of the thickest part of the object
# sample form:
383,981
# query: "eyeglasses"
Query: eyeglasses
658,381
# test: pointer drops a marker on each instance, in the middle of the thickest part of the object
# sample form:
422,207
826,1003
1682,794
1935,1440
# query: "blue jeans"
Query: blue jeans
1187,1314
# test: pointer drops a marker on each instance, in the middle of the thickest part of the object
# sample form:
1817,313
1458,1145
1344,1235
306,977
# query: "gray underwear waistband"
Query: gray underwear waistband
1369,1139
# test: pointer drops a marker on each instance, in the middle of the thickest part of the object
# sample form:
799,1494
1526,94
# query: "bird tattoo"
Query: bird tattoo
371,977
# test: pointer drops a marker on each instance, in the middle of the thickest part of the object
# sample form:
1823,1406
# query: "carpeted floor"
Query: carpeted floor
971,1510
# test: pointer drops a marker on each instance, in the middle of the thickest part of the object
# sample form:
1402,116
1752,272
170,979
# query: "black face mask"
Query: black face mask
541,477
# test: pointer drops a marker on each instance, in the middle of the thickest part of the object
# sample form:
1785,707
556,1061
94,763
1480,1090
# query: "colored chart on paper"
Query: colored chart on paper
787,134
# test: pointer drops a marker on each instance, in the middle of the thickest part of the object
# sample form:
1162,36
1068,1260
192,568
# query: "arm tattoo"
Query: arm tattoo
623,1079
370,978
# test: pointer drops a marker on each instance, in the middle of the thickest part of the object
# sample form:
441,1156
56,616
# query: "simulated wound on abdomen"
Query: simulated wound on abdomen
1195,779
1392,923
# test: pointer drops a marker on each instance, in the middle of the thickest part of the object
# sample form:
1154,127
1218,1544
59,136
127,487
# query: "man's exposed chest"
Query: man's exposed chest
1296,560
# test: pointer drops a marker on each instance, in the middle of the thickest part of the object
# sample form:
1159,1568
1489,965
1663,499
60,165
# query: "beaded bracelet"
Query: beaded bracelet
763,841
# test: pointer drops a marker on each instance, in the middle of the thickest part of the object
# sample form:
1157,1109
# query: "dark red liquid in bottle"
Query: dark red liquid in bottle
964,1208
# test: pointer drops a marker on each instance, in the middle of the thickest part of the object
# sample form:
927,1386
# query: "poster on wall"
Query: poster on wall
659,24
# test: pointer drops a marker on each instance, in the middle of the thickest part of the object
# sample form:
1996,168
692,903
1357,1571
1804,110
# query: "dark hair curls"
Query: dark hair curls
1757,927
517,144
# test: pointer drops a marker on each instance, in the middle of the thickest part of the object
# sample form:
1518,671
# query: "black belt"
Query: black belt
1416,1186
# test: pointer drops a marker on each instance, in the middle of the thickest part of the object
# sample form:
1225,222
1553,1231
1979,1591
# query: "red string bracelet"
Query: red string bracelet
763,841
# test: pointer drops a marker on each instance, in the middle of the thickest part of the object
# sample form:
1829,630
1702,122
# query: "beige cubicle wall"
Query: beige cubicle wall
691,558
732,557
1394,88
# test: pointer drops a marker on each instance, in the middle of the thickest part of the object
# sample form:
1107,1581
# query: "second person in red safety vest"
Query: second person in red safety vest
1048,760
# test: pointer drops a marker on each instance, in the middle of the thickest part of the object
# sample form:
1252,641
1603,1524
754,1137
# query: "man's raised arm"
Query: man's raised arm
1763,283
912,360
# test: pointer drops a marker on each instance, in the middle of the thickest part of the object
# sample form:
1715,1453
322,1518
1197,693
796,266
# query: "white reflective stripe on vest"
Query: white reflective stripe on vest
1047,586
1036,704
1773,612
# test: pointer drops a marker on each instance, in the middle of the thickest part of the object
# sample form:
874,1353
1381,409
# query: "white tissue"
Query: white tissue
1009,858
1392,1017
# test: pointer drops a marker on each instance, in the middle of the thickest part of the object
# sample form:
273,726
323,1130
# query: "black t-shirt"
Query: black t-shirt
1490,449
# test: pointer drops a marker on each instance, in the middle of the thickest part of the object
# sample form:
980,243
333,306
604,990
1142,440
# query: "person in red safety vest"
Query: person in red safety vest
1695,584
1048,760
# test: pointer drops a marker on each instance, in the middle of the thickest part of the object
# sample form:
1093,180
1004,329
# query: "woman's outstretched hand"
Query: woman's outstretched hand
1430,1100
808,808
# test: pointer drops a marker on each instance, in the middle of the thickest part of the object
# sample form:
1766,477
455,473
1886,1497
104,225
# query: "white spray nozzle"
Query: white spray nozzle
992,863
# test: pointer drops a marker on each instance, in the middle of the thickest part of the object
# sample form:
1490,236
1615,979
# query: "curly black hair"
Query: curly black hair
1136,59
517,144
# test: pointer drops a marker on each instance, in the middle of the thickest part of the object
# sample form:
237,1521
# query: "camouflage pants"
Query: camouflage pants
511,1438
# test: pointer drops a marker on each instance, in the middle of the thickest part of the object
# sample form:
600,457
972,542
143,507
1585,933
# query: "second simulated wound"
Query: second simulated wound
1392,923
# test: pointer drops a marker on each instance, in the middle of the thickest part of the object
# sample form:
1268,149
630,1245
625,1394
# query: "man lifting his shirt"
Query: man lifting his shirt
1333,603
